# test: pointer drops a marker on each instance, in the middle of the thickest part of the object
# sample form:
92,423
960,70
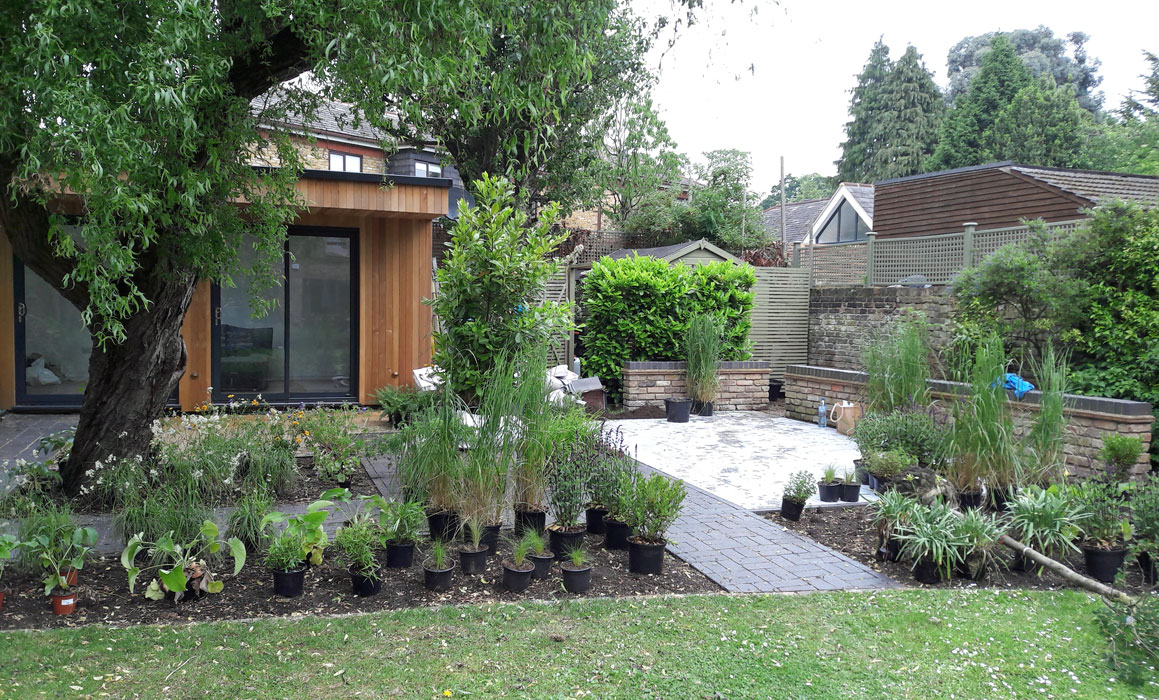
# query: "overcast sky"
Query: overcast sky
776,82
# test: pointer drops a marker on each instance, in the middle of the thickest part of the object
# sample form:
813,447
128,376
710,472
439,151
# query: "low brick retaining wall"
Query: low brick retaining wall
1090,417
842,320
744,386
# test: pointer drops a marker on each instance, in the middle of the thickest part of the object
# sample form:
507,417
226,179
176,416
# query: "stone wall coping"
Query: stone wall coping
1094,404
667,365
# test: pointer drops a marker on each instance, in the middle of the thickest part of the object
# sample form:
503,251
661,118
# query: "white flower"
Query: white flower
90,472
197,474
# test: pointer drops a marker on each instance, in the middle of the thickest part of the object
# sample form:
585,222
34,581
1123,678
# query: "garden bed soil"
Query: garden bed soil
104,596
850,531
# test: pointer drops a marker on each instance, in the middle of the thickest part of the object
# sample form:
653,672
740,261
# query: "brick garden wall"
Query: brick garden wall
744,386
1090,417
843,319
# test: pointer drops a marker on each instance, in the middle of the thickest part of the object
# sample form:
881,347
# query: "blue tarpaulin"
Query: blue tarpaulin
1017,384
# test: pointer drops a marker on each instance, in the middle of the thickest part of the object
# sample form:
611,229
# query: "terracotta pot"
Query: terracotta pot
63,603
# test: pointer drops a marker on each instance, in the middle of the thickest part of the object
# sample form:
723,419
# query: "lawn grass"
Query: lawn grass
895,644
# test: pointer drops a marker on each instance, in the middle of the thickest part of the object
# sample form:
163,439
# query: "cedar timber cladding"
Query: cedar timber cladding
995,196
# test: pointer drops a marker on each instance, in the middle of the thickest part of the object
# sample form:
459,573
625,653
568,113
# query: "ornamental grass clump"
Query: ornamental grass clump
1045,519
1046,458
430,460
898,366
982,445
916,433
980,533
932,539
702,349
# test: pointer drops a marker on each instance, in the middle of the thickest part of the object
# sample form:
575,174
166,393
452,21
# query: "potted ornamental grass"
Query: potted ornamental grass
703,347
656,504
1046,520
1145,515
182,568
1104,526
473,553
616,527
356,540
891,512
932,540
62,554
829,487
577,571
285,560
401,525
797,491
431,460
567,476
850,487
518,570
539,555
438,569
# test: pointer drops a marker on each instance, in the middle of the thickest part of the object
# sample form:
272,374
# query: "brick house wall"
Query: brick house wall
842,320
1091,418
744,386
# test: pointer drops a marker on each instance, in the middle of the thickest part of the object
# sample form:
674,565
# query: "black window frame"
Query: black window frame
345,155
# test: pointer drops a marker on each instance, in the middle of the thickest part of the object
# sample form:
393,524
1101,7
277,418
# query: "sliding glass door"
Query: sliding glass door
52,344
304,348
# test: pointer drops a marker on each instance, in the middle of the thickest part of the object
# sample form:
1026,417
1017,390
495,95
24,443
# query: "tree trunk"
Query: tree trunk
130,383
1066,572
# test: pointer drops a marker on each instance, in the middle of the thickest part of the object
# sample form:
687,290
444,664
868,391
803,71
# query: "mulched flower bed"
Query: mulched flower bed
105,598
850,531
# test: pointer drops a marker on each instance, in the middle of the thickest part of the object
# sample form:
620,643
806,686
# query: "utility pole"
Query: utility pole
784,233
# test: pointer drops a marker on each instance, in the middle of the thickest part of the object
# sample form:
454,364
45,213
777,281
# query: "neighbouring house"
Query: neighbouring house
350,316
999,195
845,217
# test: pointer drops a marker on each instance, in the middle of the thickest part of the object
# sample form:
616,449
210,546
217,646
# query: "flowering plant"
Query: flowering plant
181,564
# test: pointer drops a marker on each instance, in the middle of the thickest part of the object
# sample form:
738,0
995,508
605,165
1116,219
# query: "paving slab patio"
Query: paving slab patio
744,457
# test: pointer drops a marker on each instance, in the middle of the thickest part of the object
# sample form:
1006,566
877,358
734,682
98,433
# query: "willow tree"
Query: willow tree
140,119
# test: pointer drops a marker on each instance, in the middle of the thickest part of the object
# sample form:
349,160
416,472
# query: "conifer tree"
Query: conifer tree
908,127
1044,125
866,107
964,139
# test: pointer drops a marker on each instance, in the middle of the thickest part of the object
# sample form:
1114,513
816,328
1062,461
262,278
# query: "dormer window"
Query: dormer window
428,170
345,162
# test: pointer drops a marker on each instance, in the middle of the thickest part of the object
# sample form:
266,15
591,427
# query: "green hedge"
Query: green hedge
639,308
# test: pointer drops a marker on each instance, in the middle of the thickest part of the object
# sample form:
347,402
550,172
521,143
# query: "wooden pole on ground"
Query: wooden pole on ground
1066,572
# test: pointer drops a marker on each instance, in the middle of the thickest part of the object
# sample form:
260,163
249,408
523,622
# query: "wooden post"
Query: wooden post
870,236
968,244
797,254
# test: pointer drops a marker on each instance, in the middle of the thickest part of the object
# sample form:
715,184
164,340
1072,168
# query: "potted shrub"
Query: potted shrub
182,567
829,487
603,481
1045,520
797,491
655,506
356,540
1120,453
1145,516
62,554
567,479
1104,527
430,461
473,553
616,528
308,526
884,466
401,524
517,570
914,432
438,568
891,512
285,560
546,431
931,539
402,403
540,555
851,487
8,545
577,571
703,346
980,533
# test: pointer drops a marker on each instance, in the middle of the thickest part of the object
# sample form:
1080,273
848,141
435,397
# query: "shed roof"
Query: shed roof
674,252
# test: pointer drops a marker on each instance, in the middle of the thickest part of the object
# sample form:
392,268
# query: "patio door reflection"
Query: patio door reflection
304,347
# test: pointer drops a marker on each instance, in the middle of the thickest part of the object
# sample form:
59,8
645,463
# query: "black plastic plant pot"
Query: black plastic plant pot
1149,566
889,550
473,562
563,541
1000,499
1021,563
530,519
859,470
490,538
289,584
438,580
365,585
871,481
829,493
791,510
542,564
517,580
443,525
850,493
1103,564
970,500
616,534
645,557
928,572
702,408
677,410
576,580
399,556
595,520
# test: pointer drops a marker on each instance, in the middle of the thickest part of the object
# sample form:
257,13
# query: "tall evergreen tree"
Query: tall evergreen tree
865,109
963,138
1043,125
908,128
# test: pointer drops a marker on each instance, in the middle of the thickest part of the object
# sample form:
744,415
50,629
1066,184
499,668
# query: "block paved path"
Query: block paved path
746,553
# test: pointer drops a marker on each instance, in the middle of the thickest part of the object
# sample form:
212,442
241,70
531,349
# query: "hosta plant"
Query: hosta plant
308,526
181,563
60,550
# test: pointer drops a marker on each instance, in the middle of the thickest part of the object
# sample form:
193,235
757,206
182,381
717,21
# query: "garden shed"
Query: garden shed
691,253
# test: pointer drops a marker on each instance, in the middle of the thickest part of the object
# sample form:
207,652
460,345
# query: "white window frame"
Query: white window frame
423,169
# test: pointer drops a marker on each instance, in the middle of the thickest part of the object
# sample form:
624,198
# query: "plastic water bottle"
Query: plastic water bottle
575,366
822,415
